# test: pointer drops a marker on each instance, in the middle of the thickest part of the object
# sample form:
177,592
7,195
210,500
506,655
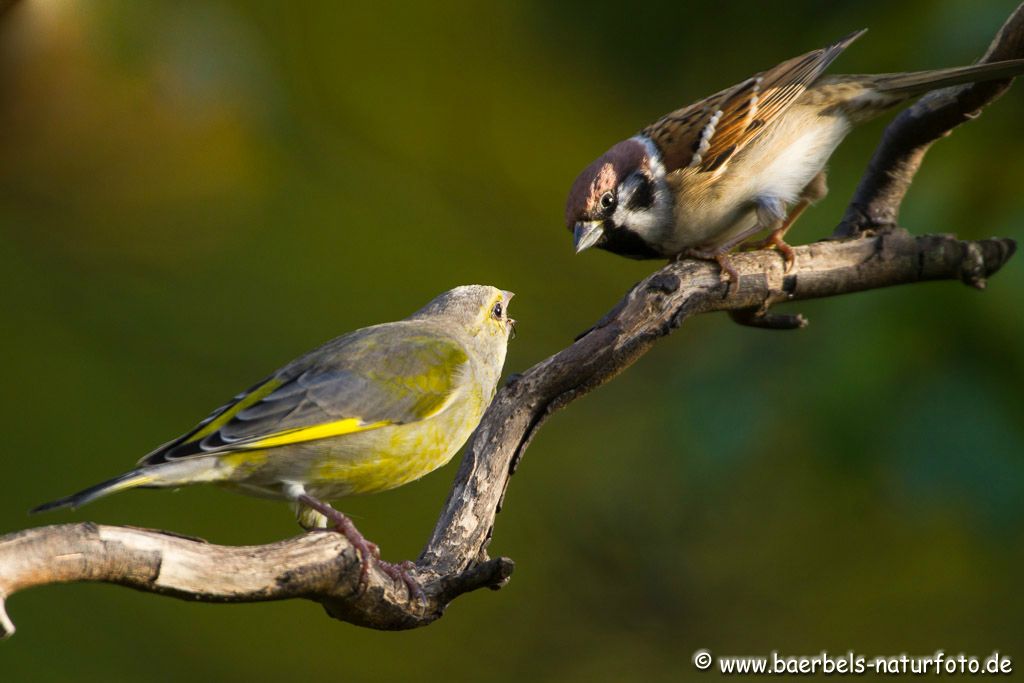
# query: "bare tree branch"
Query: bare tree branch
323,566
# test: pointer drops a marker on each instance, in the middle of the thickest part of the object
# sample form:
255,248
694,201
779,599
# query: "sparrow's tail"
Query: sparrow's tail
187,471
919,82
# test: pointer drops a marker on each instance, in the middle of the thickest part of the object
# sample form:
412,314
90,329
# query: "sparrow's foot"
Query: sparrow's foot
400,572
775,240
732,276
343,525
725,263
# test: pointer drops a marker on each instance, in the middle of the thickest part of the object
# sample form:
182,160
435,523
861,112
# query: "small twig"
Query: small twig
760,317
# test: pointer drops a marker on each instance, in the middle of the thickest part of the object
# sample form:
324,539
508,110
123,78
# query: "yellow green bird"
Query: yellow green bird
366,412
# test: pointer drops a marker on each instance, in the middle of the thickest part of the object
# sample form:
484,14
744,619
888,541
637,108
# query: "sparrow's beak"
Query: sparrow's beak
586,234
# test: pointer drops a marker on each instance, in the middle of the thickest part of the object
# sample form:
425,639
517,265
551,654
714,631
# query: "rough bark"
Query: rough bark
323,566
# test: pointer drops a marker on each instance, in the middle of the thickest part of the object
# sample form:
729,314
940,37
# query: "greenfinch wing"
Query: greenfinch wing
388,374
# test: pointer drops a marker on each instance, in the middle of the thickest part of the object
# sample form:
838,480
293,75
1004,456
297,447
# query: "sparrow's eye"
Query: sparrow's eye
607,200
496,311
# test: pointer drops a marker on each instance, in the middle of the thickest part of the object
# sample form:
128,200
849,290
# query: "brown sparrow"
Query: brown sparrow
701,180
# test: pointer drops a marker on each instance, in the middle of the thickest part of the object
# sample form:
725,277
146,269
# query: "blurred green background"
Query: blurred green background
193,193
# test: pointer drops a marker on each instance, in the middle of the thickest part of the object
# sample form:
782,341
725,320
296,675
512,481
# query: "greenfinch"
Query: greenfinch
366,412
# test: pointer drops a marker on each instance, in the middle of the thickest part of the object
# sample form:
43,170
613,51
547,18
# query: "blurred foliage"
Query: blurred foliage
193,193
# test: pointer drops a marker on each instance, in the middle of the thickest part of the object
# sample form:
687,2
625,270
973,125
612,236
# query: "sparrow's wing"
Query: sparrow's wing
706,134
383,375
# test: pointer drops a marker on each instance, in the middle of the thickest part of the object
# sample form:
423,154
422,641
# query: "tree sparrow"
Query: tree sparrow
702,179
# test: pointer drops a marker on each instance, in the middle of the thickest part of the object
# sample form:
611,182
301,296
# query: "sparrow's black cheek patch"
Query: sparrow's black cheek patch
642,198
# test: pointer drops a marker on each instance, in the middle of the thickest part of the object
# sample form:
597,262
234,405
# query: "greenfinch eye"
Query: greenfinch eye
496,311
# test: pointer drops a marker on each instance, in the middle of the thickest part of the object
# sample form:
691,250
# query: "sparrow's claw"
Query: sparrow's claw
788,255
732,276
775,240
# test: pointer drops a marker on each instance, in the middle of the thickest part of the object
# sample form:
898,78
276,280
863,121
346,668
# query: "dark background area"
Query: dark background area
192,194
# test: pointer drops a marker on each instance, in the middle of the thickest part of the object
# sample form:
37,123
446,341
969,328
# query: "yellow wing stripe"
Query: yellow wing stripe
349,425
253,397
